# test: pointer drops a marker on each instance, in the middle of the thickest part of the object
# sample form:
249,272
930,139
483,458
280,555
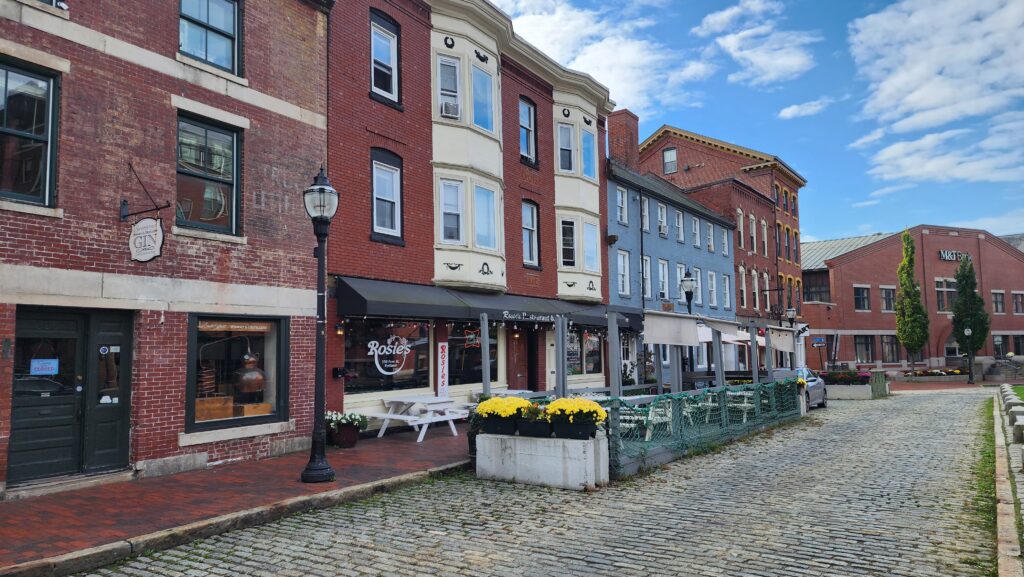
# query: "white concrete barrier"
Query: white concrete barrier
560,463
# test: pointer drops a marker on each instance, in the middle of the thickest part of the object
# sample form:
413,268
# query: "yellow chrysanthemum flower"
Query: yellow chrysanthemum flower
505,407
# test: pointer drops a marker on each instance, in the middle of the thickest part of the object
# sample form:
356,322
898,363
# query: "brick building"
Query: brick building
850,295
201,353
470,171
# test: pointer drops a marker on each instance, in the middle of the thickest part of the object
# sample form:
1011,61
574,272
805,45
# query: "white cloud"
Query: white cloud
887,190
932,62
865,203
641,73
806,109
767,55
869,138
808,238
717,22
1007,223
955,154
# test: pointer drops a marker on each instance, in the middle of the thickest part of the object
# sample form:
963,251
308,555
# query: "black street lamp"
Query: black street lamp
688,285
791,316
970,359
321,201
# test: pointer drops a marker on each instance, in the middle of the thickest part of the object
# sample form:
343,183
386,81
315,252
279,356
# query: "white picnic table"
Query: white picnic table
434,410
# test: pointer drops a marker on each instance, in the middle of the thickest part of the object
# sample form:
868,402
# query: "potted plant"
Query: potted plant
575,418
343,428
533,422
498,415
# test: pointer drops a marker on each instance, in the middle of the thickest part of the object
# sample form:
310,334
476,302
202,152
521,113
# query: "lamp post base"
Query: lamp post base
317,471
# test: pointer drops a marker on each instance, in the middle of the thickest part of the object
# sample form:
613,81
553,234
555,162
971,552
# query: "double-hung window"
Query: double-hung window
945,295
680,227
207,31
680,275
485,221
864,347
531,249
566,147
622,202
645,274
711,237
888,299
767,291
695,230
998,302
890,349
568,243
383,56
662,220
26,136
645,215
725,242
623,272
668,160
591,248
789,252
589,152
726,291
712,288
739,227
743,287
449,91
527,131
207,191
764,238
452,211
483,99
1018,305
756,293
698,291
663,279
778,240
861,298
387,193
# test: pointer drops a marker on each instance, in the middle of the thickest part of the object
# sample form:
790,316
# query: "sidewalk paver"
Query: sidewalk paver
59,523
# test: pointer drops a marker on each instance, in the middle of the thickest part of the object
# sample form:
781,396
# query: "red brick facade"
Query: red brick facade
112,111
998,267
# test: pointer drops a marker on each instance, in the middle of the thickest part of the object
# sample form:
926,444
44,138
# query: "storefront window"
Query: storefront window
386,355
238,369
583,352
465,360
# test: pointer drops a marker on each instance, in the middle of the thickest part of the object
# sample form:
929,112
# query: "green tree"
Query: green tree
911,318
970,319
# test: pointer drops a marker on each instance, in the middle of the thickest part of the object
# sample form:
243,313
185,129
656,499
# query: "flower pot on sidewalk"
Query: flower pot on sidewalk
539,428
344,436
498,426
578,431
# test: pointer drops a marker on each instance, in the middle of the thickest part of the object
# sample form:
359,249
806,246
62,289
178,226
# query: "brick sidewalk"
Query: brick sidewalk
51,525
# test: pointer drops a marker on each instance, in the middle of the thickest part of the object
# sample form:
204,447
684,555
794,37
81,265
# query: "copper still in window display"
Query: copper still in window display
249,381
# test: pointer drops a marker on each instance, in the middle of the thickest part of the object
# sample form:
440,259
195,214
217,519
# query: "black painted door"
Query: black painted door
71,390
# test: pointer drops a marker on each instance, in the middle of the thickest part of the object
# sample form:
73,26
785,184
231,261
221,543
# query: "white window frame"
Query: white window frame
1003,294
861,286
698,289
695,230
881,298
665,162
494,109
757,290
725,242
680,274
663,293
743,287
572,147
764,237
444,59
767,292
593,159
562,246
534,236
461,211
397,172
496,216
393,41
711,237
645,272
1014,294
592,251
531,138
680,227
726,292
712,289
622,202
753,234
623,272
645,213
740,227
662,220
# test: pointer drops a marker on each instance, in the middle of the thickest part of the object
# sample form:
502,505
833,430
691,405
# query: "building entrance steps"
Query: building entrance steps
84,528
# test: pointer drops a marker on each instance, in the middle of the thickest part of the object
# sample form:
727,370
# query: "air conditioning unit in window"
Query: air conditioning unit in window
450,109
663,229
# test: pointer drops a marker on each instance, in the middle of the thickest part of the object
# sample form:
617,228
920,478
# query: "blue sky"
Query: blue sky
897,113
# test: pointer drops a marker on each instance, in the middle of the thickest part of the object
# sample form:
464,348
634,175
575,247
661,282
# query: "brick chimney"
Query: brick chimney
624,138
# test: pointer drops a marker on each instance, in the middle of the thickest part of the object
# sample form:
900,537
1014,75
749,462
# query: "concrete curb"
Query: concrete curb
1007,541
96,557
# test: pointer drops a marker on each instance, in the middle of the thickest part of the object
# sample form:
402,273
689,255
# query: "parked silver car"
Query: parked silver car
817,395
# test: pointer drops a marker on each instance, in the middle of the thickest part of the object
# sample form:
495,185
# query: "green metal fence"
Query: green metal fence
648,431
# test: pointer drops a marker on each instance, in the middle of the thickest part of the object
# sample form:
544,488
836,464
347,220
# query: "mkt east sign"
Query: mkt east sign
954,255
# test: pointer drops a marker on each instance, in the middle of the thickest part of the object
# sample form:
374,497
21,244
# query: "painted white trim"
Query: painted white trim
21,284
37,5
855,285
38,57
208,235
207,111
218,435
138,56
35,209
196,63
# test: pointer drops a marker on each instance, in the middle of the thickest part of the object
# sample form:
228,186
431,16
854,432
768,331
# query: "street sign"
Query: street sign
819,340
818,345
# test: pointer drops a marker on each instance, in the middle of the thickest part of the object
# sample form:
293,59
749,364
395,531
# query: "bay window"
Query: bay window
589,151
483,99
448,87
485,218
451,211
568,243
566,147
591,248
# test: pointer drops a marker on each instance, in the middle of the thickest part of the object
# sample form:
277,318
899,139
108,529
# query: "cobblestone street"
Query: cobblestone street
861,488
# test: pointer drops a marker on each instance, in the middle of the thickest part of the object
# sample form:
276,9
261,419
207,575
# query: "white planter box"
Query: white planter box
560,463
849,392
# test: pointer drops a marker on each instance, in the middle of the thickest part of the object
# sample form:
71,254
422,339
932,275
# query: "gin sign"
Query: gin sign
146,240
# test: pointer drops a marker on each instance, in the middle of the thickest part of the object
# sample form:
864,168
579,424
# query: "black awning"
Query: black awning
379,298
365,297
630,319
